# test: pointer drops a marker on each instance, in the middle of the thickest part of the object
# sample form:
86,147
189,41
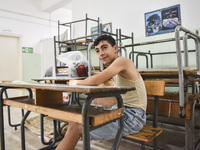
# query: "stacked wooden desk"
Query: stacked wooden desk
180,104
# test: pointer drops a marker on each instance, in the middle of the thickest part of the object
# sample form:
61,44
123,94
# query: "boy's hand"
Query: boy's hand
73,82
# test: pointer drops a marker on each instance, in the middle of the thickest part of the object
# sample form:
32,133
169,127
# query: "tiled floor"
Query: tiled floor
172,138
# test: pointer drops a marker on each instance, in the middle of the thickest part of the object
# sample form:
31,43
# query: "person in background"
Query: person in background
124,73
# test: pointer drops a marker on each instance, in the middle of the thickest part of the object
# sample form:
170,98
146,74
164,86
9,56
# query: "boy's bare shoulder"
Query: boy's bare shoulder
123,60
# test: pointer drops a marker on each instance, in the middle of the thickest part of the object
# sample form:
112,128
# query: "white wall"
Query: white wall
129,14
29,21
26,19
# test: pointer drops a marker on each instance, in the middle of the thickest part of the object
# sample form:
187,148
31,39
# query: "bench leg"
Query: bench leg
119,133
85,123
155,118
9,118
51,143
142,145
9,115
22,130
189,130
120,125
55,138
155,144
2,120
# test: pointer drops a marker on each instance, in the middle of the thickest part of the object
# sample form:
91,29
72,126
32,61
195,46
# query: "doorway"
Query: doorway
11,58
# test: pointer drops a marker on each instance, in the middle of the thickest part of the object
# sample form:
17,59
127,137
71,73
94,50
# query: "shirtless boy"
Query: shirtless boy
124,73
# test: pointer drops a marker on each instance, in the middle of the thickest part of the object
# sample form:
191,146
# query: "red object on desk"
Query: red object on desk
81,71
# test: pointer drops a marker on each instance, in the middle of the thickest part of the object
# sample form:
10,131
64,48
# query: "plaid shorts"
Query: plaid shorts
134,120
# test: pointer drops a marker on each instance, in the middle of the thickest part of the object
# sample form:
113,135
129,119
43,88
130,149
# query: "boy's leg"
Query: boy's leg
73,134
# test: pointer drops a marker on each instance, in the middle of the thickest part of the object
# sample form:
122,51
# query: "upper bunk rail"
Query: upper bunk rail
151,42
196,38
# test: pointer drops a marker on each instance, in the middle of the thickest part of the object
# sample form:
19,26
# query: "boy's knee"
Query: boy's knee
75,126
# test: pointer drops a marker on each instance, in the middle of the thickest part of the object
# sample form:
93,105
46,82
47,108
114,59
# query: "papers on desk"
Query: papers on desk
19,82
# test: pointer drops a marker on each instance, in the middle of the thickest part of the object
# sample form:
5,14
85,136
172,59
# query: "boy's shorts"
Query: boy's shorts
134,120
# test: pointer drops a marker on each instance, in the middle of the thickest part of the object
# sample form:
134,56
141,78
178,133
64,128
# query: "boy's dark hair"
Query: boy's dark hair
107,38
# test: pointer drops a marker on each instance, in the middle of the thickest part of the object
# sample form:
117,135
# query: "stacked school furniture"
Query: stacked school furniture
83,42
182,104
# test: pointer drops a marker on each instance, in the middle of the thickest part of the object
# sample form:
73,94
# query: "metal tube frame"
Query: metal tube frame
185,48
9,115
89,59
183,97
182,93
142,54
3,89
73,47
22,130
85,119
124,37
179,60
2,119
55,138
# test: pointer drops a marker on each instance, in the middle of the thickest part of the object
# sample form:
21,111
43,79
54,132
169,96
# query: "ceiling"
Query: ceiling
52,5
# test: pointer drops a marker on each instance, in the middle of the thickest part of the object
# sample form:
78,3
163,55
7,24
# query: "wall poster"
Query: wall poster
105,27
162,21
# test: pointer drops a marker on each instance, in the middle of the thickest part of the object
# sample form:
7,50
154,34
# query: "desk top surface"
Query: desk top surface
168,73
64,87
59,78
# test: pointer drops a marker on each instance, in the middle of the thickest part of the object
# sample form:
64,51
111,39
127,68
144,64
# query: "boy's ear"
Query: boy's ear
116,47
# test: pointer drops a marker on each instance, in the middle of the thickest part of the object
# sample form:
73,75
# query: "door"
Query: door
10,58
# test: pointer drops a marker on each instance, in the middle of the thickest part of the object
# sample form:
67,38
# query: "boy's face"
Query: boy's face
106,53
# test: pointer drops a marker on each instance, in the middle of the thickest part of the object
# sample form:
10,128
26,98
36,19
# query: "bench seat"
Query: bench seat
147,134
65,112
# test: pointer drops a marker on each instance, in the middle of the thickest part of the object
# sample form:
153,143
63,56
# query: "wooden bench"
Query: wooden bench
149,133
64,111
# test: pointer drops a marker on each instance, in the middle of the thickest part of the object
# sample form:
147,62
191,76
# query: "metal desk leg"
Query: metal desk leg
120,125
23,121
155,119
9,118
9,115
2,119
42,130
85,123
189,130
55,138
22,130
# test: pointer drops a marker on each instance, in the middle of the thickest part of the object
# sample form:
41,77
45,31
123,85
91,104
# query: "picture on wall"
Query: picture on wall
162,21
105,27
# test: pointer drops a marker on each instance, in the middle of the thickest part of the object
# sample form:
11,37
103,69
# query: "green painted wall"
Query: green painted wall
31,66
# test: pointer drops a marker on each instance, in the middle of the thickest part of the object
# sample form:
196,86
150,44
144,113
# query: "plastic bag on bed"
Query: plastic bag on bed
76,62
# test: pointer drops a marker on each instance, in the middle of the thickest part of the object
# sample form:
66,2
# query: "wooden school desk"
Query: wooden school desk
48,101
58,79
61,80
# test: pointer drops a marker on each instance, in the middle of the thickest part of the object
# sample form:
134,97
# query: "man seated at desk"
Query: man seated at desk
135,102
